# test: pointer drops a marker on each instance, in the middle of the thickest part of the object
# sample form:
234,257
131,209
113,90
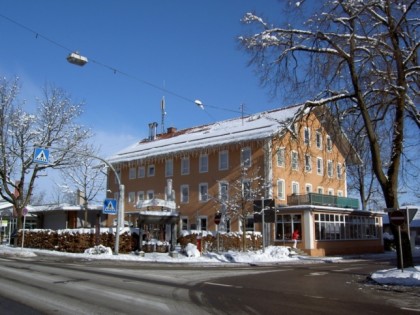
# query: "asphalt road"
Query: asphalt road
53,285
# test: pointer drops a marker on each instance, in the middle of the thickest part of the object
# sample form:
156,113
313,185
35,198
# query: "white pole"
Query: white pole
120,217
263,223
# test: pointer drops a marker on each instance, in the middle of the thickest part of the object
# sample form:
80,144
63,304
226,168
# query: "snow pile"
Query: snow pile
408,277
192,251
99,250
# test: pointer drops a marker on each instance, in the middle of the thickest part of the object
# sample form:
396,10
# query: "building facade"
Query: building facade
291,156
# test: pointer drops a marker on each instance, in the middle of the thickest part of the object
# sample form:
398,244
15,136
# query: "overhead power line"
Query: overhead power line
198,103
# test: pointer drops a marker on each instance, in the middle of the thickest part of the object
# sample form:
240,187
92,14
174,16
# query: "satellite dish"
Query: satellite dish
77,59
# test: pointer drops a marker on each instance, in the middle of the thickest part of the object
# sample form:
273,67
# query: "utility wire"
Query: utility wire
115,71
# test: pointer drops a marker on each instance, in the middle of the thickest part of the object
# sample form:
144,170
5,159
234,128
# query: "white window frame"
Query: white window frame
281,189
281,157
185,165
141,172
320,190
307,136
339,171
308,163
246,189
329,144
185,223
330,169
308,188
318,140
330,191
203,163
132,173
223,195
295,188
203,197
169,167
184,198
150,194
132,197
246,156
319,166
223,160
140,196
151,170
294,160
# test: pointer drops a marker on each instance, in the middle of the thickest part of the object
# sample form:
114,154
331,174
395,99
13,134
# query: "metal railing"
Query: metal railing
322,200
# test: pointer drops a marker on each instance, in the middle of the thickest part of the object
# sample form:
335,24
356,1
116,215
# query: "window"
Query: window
339,193
308,188
320,190
132,173
295,188
203,192
185,193
223,191
339,171
223,160
330,191
150,194
249,224
329,144
319,166
141,172
281,189
308,163
131,197
202,223
280,157
246,189
185,166
307,136
286,224
295,161
204,163
151,170
140,196
330,168
246,157
169,168
318,140
184,223
345,227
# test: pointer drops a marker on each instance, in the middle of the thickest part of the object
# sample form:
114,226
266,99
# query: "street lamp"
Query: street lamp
120,213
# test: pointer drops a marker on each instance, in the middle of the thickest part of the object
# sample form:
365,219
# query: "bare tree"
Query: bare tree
53,123
237,201
362,58
86,176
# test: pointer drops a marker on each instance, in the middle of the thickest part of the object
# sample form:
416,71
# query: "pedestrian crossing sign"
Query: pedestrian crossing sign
110,206
41,156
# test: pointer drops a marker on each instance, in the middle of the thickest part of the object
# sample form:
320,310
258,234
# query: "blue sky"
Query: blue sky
180,50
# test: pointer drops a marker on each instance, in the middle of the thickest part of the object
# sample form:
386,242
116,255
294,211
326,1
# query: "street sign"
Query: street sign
397,217
110,206
24,211
41,156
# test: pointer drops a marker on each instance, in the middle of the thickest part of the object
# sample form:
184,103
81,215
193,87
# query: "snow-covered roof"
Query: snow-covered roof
61,207
253,127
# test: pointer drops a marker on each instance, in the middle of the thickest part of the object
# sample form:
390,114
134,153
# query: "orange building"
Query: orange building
291,157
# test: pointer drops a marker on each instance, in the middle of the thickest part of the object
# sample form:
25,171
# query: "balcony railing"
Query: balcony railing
322,200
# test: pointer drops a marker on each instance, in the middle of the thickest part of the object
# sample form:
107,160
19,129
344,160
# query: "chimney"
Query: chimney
152,131
171,130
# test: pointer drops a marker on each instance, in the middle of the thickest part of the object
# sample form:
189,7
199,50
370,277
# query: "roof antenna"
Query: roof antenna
162,109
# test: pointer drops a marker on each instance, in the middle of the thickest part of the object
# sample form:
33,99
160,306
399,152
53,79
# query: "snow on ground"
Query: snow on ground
271,254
